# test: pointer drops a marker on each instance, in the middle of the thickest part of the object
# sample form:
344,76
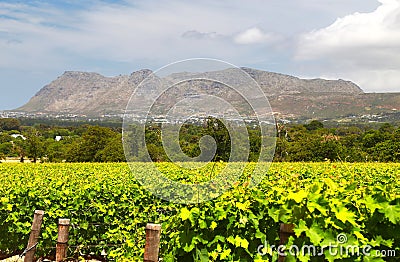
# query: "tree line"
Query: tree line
294,142
85,143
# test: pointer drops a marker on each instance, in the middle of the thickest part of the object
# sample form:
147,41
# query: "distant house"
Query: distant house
18,135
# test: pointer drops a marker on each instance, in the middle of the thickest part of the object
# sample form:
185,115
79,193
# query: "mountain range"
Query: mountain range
95,95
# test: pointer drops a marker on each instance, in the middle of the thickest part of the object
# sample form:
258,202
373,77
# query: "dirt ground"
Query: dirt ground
14,160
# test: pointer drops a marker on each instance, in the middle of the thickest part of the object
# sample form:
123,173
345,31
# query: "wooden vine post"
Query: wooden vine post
153,233
285,231
62,239
34,236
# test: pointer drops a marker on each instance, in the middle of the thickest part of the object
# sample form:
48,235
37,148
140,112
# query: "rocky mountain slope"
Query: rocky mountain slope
92,94
85,93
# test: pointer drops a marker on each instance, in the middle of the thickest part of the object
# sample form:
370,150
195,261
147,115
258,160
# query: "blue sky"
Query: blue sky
358,40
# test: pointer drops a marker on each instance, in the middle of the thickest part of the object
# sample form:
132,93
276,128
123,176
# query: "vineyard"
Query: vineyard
108,210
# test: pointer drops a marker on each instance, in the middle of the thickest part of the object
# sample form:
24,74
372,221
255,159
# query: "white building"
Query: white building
18,135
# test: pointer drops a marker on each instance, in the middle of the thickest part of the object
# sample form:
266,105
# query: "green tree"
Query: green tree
112,152
153,147
6,149
386,128
386,151
4,138
8,124
330,148
314,125
371,138
216,129
156,153
87,148
56,150
255,143
19,148
6,146
35,146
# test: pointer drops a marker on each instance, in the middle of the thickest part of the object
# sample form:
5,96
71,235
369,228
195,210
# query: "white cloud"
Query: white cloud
364,47
254,35
199,35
